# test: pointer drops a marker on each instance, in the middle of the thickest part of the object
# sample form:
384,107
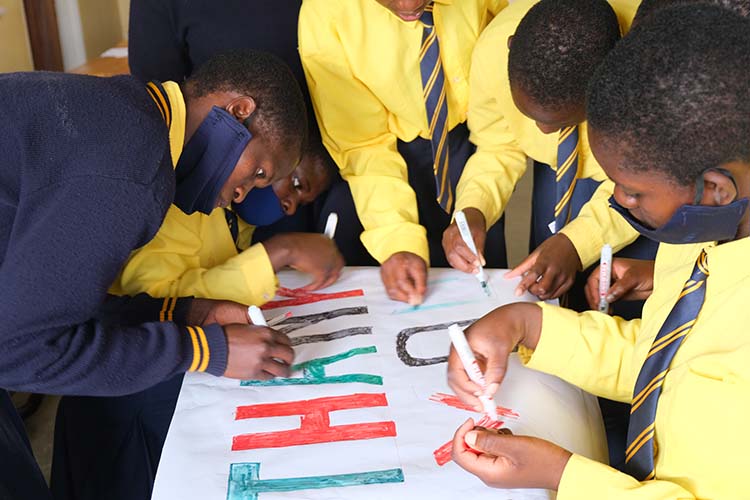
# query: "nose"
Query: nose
240,192
408,5
546,129
290,203
626,201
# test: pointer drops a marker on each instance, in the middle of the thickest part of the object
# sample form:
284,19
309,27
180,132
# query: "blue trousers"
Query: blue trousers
109,448
20,477
615,414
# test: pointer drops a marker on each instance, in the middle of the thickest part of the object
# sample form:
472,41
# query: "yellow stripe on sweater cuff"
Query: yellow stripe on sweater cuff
196,350
204,346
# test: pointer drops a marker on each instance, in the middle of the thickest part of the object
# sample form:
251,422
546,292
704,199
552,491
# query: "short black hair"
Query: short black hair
648,7
280,109
321,158
556,48
674,95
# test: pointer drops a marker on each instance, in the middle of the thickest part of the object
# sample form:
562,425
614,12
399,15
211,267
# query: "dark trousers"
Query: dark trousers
615,414
20,477
109,448
418,157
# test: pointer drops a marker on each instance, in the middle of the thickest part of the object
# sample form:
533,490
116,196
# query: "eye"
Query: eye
260,173
296,183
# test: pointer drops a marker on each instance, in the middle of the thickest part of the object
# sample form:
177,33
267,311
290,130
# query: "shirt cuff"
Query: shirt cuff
555,350
405,237
586,478
257,271
484,204
586,239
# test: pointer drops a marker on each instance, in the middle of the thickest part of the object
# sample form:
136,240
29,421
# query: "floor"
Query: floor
40,425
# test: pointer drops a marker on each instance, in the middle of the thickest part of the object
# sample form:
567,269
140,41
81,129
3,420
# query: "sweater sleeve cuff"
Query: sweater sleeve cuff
181,310
483,203
210,349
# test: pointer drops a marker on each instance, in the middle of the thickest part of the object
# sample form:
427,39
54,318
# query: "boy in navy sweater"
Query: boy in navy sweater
87,173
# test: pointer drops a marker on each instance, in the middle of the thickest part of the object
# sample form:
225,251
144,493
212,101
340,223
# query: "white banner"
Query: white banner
367,412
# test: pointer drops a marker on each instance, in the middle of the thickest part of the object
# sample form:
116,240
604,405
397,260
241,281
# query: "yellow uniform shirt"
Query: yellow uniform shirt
505,137
702,433
362,67
194,255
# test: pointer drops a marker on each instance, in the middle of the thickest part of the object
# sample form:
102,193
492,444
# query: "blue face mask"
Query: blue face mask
207,161
261,207
693,223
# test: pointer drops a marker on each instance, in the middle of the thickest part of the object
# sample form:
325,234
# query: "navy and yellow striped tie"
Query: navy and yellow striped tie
567,174
639,454
433,85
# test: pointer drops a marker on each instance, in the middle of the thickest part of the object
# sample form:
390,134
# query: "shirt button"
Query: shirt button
457,79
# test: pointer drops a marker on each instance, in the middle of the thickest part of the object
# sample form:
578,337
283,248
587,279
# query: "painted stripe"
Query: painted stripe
444,177
433,78
678,337
564,200
204,346
196,350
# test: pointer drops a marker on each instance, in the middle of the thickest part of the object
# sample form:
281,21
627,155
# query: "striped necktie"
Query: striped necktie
639,454
433,85
567,174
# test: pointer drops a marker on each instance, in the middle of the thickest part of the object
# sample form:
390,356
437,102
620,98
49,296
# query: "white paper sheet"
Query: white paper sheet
213,450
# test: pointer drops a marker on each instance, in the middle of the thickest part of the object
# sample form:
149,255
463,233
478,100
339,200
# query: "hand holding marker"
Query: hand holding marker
471,366
463,229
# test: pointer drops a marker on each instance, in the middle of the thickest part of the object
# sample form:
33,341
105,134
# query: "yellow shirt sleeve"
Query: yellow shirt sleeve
586,349
597,224
364,148
585,479
194,255
491,173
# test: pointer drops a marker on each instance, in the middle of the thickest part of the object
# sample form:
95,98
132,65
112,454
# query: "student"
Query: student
168,40
365,75
656,107
210,256
633,279
87,176
529,74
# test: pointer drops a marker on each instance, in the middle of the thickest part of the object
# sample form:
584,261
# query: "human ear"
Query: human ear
242,108
718,189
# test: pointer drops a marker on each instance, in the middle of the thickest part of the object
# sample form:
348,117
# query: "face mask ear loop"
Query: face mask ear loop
248,121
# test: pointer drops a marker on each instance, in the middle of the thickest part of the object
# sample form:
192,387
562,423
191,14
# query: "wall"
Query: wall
15,50
100,20
123,7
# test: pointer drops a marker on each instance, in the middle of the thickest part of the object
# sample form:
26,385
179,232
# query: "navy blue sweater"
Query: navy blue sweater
85,178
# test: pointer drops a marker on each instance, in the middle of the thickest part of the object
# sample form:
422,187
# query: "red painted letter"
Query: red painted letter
315,425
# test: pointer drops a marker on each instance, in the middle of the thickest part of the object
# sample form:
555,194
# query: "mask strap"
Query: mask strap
247,121
700,182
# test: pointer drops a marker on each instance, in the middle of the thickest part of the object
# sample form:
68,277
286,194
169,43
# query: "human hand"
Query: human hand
549,271
492,338
223,312
311,253
502,460
404,275
633,279
257,353
457,252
